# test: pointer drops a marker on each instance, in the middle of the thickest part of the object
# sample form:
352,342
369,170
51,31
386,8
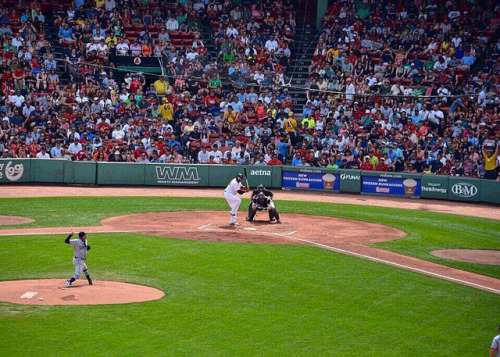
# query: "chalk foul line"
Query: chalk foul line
388,262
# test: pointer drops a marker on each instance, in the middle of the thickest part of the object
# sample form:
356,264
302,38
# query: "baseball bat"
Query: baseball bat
246,178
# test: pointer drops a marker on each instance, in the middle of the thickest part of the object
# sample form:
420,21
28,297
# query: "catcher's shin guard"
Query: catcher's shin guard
251,215
274,214
250,211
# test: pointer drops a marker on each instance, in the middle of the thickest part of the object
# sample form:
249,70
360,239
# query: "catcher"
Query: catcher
266,192
261,202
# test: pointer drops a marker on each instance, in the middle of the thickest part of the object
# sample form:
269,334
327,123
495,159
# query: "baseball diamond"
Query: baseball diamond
141,230
249,178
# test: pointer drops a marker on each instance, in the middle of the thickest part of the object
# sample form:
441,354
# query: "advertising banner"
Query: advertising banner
462,189
350,181
310,179
15,170
434,186
393,186
177,175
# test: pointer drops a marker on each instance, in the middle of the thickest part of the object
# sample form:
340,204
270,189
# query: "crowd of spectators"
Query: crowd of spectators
419,76
367,107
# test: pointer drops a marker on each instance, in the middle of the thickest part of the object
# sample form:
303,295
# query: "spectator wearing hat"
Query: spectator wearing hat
367,165
166,110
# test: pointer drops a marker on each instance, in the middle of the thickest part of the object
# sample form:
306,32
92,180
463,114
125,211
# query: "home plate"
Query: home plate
28,295
250,229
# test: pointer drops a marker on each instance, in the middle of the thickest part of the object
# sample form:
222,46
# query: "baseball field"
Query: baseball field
304,291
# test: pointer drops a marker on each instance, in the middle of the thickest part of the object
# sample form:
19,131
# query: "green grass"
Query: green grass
426,231
236,299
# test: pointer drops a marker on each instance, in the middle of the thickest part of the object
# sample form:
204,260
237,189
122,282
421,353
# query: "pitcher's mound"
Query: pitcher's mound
12,220
480,256
54,292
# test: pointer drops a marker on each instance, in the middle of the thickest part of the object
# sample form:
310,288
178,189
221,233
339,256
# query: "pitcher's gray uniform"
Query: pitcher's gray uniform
80,248
495,345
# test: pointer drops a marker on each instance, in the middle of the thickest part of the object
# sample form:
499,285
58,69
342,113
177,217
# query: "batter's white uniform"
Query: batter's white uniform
80,255
230,194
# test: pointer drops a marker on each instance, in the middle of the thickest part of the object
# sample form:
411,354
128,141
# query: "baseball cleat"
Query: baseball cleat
68,283
278,221
91,282
249,219
234,224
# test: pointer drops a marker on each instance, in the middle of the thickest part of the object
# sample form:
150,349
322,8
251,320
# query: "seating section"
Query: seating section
391,87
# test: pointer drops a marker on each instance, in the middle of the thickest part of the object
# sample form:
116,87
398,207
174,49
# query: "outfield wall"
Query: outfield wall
288,177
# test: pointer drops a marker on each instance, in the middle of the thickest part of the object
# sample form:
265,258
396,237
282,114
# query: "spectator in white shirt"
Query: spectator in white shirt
17,99
122,48
43,154
74,147
216,153
118,133
443,92
350,90
172,24
232,31
271,44
258,77
436,115
204,156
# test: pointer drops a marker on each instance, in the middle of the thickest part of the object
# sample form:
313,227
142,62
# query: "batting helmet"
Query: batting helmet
81,234
240,176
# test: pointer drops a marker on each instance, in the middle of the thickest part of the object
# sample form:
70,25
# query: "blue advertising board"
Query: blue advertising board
310,179
391,186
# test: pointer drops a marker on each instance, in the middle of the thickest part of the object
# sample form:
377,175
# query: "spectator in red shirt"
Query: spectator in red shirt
381,166
366,165
136,84
274,160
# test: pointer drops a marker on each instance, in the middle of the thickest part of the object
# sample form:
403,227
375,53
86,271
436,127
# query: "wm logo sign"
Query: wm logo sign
177,174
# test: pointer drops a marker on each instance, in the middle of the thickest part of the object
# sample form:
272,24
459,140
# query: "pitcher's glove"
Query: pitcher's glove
88,247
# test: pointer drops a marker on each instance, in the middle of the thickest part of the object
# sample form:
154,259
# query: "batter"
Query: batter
80,248
230,194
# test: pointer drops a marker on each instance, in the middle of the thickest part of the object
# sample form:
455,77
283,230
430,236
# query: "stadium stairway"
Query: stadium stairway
306,40
52,35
